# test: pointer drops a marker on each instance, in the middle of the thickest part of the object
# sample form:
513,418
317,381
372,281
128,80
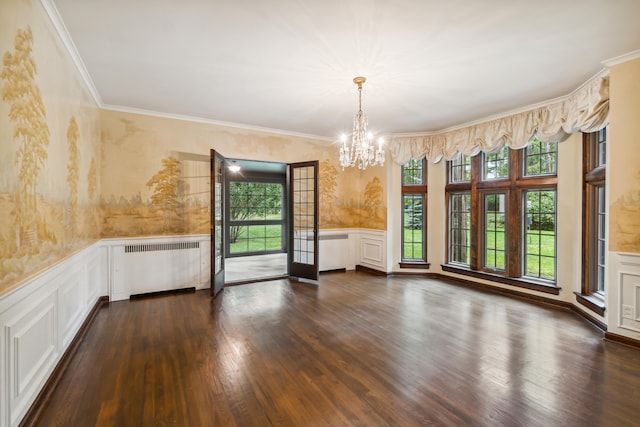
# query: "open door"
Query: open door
303,220
217,222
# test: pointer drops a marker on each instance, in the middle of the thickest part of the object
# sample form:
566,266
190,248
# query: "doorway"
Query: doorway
256,221
280,220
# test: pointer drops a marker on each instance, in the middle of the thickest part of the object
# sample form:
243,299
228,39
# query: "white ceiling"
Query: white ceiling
289,64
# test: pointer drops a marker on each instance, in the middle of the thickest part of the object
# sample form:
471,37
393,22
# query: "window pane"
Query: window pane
256,202
412,226
460,228
412,172
601,246
601,149
496,165
541,158
540,234
494,231
460,169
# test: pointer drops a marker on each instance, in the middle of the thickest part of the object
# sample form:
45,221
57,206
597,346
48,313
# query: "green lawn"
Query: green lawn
412,244
255,238
540,250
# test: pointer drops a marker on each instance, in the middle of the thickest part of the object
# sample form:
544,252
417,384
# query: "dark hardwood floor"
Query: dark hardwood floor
357,350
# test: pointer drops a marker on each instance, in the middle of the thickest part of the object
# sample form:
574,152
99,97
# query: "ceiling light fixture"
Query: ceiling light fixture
234,167
361,150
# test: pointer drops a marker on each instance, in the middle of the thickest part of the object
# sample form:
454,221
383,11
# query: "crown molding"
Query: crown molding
194,119
63,33
603,72
622,58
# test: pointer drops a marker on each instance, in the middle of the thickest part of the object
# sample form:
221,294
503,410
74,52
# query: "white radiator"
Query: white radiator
154,267
333,251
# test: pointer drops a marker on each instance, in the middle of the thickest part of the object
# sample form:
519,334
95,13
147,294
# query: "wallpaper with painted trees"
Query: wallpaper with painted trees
49,148
351,198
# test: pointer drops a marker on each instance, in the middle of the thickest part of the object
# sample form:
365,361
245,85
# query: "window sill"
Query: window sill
415,264
594,303
519,282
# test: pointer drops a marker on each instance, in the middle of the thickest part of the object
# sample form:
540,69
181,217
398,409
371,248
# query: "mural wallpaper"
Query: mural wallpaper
172,207
155,175
625,214
351,198
48,145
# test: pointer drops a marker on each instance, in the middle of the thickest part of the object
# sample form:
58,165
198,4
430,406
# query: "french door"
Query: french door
217,222
303,220
302,182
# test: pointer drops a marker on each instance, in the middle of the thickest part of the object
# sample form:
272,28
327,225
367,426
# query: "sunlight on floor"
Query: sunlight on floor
255,267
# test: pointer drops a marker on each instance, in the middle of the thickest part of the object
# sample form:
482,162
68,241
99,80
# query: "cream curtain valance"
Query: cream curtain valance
585,110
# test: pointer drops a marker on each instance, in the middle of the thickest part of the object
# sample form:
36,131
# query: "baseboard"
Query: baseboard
370,270
189,290
414,274
595,322
619,339
42,399
335,270
536,299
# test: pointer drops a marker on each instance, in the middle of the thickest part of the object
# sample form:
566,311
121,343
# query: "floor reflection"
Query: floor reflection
255,267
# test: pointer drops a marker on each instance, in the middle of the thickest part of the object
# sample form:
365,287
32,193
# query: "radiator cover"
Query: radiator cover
154,267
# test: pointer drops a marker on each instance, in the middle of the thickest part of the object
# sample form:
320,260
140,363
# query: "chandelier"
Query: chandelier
361,151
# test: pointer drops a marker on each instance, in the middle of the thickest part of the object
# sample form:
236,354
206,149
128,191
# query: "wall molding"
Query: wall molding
39,320
32,415
60,27
194,119
630,56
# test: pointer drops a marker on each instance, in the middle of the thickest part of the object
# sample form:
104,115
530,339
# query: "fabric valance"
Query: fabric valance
585,110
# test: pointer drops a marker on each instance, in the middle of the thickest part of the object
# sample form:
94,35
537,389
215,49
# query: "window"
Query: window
414,198
495,231
256,216
540,234
496,165
594,241
502,216
460,169
541,158
460,228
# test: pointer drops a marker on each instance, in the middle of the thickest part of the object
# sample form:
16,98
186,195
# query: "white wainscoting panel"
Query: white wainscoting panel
32,340
155,264
373,249
38,320
627,274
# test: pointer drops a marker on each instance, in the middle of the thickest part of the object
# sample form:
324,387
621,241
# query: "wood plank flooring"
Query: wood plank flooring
356,350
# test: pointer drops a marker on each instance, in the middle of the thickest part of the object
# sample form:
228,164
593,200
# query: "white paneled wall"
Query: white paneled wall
623,295
38,321
346,248
373,249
